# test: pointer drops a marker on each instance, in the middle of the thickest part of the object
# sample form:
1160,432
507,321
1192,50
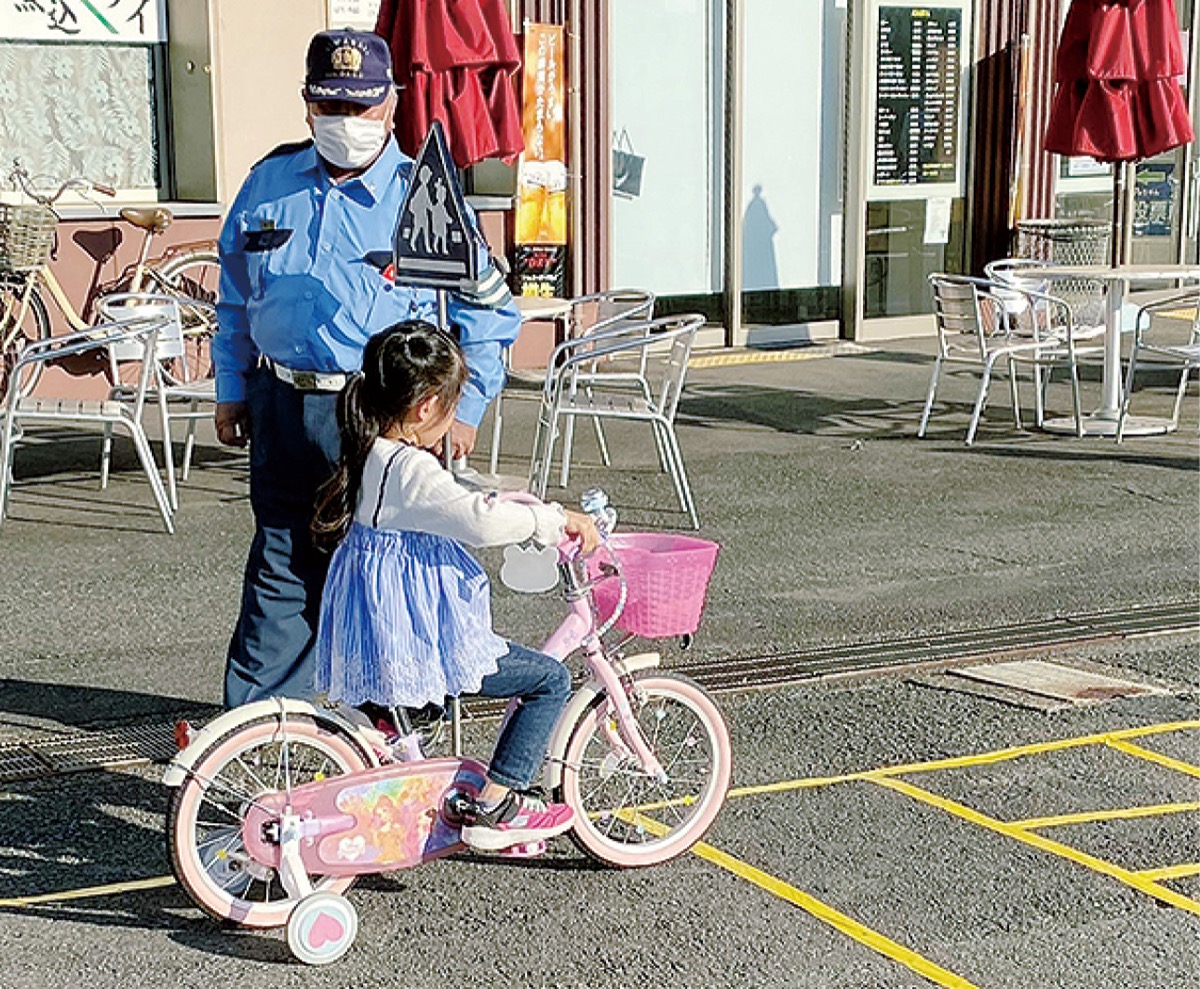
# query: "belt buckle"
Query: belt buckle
305,380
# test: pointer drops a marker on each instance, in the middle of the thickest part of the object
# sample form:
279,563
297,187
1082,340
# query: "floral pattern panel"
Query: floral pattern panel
80,109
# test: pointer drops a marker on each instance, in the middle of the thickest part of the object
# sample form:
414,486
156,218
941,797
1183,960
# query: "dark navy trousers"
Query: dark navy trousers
294,446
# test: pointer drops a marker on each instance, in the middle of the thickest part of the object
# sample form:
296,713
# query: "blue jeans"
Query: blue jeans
542,686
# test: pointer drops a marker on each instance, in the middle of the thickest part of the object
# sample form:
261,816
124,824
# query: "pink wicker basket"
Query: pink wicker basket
667,576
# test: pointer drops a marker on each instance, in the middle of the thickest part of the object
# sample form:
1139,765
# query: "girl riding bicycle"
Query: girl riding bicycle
406,612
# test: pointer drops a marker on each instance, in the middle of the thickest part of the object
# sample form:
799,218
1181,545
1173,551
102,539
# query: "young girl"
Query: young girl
406,612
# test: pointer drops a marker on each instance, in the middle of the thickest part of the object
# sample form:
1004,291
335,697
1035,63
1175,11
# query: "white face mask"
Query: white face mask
349,142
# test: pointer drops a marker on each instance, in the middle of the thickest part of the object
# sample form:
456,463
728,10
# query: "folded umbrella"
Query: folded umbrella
1117,71
456,61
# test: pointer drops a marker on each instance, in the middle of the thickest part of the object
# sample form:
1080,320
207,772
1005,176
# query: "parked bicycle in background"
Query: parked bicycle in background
187,272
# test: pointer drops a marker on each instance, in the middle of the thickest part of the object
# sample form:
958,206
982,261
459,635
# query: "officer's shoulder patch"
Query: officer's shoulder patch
288,148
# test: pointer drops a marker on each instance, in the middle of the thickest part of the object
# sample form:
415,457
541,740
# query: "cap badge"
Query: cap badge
348,59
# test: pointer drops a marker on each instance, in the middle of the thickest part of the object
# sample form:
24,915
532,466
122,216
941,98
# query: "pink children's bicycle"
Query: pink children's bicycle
280,804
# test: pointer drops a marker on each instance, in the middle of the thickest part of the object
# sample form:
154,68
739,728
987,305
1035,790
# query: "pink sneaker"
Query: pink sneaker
519,819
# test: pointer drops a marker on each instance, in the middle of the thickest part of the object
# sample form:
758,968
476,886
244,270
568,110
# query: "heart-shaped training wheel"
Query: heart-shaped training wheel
322,928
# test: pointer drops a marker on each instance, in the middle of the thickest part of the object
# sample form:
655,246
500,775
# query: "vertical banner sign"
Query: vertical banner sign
541,233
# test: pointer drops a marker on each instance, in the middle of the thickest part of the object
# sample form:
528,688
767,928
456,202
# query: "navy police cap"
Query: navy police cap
355,66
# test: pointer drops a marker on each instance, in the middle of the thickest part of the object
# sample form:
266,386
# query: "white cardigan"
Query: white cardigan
422,496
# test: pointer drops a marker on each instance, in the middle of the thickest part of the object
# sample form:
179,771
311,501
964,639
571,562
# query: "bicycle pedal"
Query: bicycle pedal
529,850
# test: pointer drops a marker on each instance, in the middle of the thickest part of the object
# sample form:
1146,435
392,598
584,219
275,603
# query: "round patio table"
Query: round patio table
1103,421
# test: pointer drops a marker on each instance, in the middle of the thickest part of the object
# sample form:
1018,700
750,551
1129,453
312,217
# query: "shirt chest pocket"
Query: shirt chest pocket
265,246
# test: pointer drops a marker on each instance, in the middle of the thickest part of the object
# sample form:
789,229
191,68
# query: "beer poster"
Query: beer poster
541,224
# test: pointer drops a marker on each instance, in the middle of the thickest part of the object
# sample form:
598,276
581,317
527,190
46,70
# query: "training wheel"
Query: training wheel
322,928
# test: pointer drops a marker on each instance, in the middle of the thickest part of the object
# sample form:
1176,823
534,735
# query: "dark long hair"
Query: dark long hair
402,366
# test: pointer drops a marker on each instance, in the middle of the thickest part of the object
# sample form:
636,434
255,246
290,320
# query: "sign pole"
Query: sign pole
443,322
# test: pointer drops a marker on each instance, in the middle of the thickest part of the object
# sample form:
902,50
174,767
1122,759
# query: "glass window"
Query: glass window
82,109
792,135
665,114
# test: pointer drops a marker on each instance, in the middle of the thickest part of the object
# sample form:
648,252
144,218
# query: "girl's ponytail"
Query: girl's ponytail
337,497
401,366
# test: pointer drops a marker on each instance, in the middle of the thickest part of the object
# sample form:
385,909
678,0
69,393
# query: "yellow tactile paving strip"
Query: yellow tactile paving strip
810,353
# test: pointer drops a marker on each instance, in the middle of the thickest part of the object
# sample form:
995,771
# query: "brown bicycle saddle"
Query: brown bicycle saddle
156,218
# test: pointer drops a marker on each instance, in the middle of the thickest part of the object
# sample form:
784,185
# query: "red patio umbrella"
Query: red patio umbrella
1117,93
456,61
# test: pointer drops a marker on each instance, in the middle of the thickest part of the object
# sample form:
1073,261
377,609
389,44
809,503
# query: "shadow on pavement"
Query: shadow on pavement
72,706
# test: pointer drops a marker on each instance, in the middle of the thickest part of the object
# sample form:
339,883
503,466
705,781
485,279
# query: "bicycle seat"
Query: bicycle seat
155,218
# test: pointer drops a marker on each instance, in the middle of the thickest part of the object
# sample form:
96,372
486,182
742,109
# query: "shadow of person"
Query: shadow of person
75,706
759,267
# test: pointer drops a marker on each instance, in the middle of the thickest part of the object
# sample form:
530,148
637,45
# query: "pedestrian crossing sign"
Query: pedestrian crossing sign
436,245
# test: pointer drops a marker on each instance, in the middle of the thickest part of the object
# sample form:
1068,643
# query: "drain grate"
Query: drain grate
108,749
154,742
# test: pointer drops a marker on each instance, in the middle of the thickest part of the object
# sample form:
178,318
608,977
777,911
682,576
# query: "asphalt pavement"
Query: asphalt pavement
837,526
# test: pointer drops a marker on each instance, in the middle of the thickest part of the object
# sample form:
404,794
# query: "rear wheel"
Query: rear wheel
625,817
34,326
193,279
204,822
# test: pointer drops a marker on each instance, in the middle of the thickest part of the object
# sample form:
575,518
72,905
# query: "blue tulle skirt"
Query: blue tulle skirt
406,620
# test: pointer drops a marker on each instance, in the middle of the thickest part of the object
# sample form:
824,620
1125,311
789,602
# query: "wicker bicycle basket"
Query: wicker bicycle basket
26,234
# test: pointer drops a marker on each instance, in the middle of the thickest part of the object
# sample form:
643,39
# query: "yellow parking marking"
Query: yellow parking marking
92,891
847,925
1155,757
1089,817
1130,878
987,758
1172,871
822,911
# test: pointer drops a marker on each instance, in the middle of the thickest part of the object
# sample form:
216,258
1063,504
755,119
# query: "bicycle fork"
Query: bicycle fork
620,724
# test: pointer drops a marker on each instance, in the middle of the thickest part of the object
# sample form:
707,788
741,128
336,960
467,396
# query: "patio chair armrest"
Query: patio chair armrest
100,335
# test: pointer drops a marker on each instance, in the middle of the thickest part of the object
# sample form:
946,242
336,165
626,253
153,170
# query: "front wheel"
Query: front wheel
625,817
204,822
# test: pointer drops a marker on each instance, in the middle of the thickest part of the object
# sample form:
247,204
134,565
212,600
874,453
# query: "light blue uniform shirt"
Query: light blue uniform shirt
296,286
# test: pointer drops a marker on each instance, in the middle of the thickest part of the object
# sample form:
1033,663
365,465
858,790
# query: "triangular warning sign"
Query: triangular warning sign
435,244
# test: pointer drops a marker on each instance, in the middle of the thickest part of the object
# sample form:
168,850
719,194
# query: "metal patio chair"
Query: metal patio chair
178,391
979,326
656,351
1163,343
1082,318
138,330
580,316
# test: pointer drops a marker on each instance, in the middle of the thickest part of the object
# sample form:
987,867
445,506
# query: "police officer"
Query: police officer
302,289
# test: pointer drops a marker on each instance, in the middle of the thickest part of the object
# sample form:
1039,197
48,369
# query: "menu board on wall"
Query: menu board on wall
917,95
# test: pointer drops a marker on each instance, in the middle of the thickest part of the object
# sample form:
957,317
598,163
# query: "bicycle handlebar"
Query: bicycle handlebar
19,176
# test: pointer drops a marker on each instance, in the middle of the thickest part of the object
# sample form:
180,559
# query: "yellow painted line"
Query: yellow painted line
822,911
807,353
93,891
977,759
1130,878
1172,871
1155,757
786,785
834,918
1120,814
